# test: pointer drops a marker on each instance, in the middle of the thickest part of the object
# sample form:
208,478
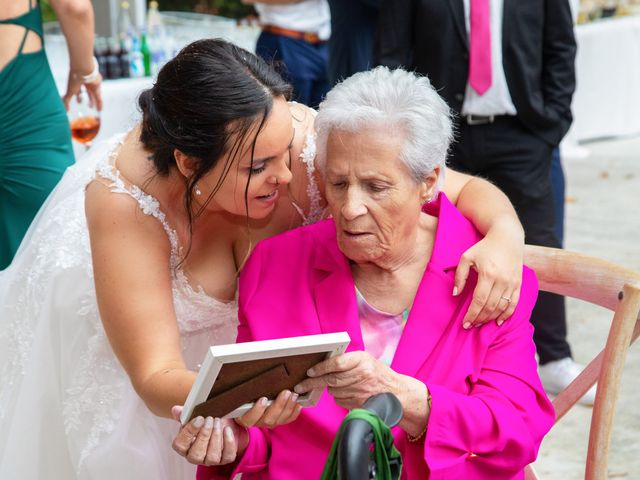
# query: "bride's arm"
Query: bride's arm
130,253
498,257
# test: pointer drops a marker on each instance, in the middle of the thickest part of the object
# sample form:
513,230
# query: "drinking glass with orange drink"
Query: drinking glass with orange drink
84,119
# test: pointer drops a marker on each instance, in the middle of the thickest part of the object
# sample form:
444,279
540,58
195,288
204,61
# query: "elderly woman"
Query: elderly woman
382,269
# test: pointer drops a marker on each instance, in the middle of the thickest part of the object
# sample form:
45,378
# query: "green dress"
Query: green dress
35,139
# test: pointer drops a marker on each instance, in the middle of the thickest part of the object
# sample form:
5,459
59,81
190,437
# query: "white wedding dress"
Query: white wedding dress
67,408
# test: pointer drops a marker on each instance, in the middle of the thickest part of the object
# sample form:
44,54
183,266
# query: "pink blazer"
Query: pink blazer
489,411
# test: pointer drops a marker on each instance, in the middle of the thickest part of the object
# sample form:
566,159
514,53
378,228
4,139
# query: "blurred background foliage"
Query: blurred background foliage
47,12
224,8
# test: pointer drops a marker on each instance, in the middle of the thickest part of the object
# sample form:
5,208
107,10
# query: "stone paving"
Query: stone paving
603,220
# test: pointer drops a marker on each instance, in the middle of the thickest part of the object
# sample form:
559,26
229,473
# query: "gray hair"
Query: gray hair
397,99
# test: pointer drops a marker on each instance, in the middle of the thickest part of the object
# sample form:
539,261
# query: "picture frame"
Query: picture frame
232,377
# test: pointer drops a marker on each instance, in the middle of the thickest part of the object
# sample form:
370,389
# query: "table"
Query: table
120,111
607,98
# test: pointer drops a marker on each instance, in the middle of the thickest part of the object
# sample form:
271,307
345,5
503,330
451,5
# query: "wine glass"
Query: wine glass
84,119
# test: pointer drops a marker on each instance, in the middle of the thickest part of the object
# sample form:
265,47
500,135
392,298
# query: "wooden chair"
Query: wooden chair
611,286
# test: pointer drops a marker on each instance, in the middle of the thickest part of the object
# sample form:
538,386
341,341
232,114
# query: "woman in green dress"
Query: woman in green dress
35,140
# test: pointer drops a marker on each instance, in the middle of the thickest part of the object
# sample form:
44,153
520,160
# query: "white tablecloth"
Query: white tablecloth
120,110
119,96
607,98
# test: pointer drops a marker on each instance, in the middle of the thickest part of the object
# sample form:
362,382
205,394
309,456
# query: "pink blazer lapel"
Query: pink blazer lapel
334,294
336,303
435,307
430,316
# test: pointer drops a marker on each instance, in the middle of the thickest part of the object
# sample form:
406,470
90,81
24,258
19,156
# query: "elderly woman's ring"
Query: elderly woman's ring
506,299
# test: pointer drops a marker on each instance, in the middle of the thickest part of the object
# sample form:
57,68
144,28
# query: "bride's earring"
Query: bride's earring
197,191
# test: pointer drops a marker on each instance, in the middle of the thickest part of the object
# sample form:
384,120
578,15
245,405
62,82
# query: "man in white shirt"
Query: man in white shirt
294,36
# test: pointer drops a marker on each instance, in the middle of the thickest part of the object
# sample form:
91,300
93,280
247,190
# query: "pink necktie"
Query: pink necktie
479,46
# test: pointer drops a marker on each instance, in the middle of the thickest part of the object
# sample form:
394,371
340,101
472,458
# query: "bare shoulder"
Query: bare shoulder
303,121
117,215
300,111
117,218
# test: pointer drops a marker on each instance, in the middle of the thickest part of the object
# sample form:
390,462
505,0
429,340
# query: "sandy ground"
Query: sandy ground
603,220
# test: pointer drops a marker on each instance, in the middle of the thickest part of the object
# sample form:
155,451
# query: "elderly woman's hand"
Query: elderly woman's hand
284,409
352,378
498,261
215,441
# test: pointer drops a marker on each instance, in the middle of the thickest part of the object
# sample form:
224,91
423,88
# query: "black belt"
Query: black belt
473,119
479,119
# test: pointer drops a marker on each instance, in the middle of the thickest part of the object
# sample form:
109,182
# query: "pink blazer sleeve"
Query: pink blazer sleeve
256,456
498,426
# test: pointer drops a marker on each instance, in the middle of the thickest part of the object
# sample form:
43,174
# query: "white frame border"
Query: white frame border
218,355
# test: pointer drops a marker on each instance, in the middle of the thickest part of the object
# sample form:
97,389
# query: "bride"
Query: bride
129,271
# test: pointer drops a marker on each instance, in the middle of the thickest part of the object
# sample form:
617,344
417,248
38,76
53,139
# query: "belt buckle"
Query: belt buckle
479,119
310,37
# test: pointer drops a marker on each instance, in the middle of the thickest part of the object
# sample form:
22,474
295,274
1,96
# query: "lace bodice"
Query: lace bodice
195,309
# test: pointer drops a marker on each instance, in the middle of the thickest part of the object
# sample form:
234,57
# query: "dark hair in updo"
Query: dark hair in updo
204,103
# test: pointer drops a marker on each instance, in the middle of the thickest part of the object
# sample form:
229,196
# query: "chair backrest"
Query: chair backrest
611,286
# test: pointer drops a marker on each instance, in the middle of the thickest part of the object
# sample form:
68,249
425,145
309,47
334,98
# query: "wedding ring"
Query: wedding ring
506,299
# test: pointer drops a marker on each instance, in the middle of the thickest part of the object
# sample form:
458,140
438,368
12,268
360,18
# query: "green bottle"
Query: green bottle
146,54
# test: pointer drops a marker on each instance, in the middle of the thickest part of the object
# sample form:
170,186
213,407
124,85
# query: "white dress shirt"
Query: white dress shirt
306,16
496,100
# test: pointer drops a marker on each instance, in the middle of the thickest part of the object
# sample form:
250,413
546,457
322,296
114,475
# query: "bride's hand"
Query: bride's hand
215,441
210,441
498,261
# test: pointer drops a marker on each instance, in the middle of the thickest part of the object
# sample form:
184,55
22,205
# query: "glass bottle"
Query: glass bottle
146,54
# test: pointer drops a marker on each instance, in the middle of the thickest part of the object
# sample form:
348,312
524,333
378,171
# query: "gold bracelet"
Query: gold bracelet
418,437
422,433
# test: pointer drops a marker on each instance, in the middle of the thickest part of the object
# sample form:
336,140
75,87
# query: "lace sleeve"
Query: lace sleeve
317,211
304,116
